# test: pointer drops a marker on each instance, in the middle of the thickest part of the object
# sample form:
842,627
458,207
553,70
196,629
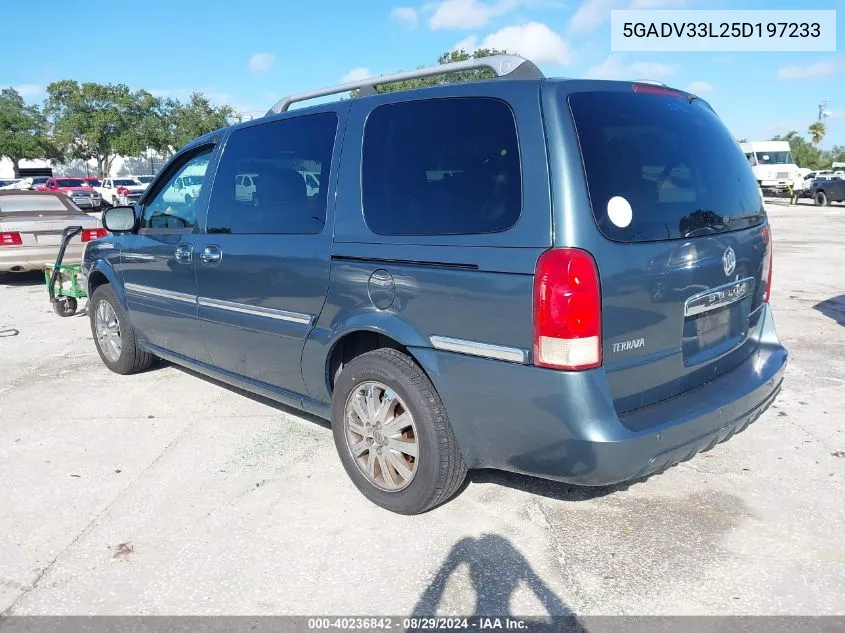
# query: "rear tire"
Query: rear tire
422,481
821,199
114,336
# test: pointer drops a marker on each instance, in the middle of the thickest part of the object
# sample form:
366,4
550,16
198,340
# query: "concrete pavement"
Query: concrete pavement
167,493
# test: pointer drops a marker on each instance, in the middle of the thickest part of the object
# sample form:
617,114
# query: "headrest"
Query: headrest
281,186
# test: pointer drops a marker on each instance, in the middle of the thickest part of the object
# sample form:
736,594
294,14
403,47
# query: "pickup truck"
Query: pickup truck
824,192
117,191
80,193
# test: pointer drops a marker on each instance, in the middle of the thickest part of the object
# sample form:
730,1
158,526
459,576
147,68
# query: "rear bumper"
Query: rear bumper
563,425
34,257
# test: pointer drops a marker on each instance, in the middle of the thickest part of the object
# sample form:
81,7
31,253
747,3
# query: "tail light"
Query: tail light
10,238
93,234
567,310
766,234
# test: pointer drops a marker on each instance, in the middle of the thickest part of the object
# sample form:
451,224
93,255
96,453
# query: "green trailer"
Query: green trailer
65,283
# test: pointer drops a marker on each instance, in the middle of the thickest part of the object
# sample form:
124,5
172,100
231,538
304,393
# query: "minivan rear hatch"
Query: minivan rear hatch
683,252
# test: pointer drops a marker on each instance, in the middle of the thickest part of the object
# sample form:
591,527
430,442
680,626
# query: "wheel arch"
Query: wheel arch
101,274
355,342
362,332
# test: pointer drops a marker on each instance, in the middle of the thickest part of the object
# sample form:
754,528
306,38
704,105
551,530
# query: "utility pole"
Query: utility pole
824,111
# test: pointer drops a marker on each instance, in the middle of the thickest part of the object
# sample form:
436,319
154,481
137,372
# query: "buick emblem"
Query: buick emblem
729,261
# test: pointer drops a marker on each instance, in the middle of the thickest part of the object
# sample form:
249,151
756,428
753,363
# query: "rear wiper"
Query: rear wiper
702,230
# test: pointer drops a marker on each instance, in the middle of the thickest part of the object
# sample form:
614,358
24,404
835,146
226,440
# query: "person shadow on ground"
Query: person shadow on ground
496,569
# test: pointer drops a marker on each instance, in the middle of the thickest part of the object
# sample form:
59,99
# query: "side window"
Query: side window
441,167
173,207
261,187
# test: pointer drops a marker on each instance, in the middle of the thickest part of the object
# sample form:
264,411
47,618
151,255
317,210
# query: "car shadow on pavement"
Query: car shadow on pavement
31,278
833,308
248,394
556,490
496,570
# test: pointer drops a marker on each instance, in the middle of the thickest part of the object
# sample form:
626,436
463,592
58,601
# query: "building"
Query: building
121,166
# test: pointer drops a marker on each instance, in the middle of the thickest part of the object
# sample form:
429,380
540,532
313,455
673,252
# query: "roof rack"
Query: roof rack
510,66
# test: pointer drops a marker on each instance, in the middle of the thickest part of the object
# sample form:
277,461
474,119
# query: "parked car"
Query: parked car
120,191
186,187
32,183
31,225
77,189
8,183
472,283
823,192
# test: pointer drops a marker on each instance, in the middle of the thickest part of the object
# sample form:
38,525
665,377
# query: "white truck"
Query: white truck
771,162
115,191
186,188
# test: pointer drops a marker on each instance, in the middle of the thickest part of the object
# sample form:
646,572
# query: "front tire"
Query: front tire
114,335
393,435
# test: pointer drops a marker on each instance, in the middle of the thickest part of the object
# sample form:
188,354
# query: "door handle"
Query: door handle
183,253
211,254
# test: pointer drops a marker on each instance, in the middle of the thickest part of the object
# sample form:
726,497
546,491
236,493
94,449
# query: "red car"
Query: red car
77,189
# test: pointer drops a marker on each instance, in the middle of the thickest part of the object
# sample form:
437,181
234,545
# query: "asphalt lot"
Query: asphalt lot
166,493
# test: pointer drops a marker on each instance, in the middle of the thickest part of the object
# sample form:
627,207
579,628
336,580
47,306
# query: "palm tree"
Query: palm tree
817,131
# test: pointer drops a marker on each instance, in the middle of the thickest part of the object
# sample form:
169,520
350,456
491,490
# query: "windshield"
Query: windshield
39,203
661,167
70,182
775,158
124,182
145,179
93,183
40,180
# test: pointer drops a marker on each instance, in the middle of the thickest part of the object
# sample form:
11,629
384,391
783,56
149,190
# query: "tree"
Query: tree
450,78
817,131
837,154
96,121
187,121
23,130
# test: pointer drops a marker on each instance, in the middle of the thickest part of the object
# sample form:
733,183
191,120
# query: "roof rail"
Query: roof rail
511,66
651,82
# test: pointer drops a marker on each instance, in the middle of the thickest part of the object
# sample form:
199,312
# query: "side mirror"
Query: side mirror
119,219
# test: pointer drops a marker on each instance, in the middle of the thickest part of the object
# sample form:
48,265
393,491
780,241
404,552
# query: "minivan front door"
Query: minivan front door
158,265
263,264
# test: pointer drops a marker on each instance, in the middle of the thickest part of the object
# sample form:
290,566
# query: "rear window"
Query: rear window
661,167
441,167
37,203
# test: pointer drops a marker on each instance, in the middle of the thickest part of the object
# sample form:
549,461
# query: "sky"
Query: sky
251,55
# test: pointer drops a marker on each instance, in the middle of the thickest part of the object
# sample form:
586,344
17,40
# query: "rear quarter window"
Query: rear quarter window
668,163
441,167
